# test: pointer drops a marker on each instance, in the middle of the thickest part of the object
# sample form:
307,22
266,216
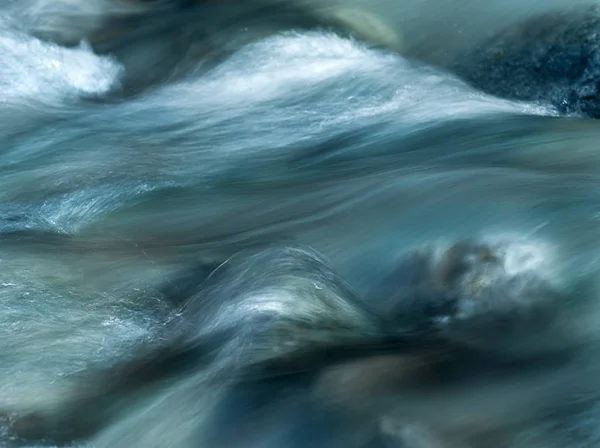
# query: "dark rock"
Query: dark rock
553,58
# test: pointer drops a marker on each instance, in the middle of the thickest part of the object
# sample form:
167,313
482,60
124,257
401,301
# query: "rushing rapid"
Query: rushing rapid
292,224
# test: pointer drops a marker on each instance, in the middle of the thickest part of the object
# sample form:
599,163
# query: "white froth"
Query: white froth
521,256
522,259
290,61
296,86
30,68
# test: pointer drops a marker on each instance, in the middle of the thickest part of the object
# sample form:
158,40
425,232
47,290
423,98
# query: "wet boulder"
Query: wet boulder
553,58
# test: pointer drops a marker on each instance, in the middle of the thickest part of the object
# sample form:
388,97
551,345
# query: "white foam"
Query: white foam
32,69
291,61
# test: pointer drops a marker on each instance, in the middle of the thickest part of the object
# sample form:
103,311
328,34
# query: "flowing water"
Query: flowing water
304,135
